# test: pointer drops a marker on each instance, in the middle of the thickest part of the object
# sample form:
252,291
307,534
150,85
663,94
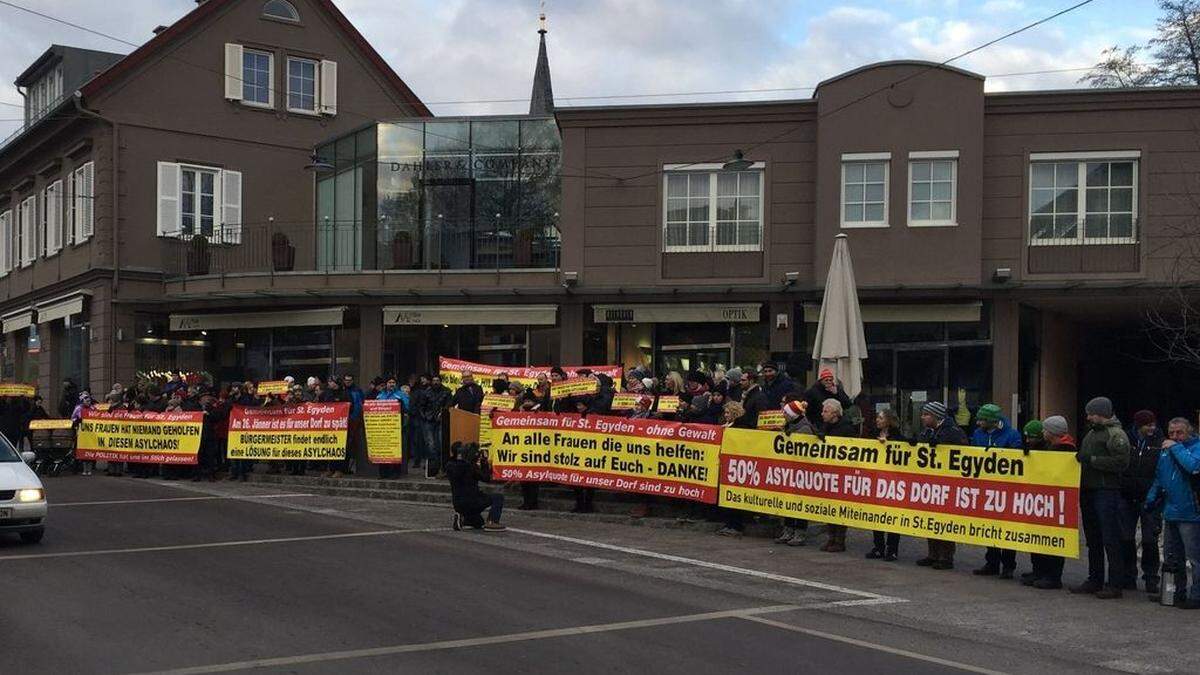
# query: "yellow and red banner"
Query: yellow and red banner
502,402
384,426
272,387
986,497
139,437
625,400
42,424
668,404
308,431
574,386
16,389
653,457
451,371
771,420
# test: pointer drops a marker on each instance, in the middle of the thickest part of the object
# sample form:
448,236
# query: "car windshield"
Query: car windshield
7,453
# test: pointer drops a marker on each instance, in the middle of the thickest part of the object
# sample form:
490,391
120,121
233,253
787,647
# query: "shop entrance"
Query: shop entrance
683,358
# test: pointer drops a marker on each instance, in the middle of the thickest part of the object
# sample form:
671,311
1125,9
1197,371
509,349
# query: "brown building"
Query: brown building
124,162
1006,245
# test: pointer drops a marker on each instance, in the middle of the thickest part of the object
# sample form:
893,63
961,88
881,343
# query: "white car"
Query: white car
22,498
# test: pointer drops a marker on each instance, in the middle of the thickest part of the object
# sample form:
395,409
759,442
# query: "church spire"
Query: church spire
541,101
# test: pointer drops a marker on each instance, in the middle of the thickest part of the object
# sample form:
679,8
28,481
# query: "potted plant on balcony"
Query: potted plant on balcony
198,256
283,253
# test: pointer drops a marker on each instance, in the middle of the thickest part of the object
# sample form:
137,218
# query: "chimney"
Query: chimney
159,29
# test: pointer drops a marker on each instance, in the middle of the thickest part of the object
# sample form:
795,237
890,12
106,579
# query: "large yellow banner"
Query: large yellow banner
451,370
988,497
383,424
140,437
308,431
670,459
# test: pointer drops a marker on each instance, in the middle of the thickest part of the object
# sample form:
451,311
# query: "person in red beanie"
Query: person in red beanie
826,387
1145,443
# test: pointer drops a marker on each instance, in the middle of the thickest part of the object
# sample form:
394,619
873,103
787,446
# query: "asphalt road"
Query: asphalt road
137,576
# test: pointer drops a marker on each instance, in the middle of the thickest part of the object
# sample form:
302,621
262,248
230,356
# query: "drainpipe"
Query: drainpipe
116,213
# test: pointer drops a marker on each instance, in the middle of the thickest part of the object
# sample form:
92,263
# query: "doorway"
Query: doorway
920,377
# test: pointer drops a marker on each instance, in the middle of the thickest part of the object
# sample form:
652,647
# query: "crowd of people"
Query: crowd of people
1131,478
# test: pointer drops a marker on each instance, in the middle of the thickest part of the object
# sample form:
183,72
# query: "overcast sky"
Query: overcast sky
456,50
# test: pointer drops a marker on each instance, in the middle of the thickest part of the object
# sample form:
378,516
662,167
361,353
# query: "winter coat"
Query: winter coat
1172,487
465,494
432,402
355,396
1104,456
946,433
469,397
776,389
843,428
816,396
800,425
500,386
1003,436
1143,463
753,402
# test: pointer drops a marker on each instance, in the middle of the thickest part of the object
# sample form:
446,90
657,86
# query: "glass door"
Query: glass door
920,377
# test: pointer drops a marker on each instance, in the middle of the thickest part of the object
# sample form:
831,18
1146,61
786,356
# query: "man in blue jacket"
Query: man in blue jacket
993,430
1173,492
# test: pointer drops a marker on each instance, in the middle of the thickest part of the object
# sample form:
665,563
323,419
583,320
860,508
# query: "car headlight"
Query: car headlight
31,495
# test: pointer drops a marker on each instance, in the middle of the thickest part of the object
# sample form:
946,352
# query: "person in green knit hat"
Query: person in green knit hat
1035,439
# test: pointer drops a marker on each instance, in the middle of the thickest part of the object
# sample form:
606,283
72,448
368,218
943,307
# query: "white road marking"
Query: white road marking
879,599
587,560
873,646
216,544
479,641
181,499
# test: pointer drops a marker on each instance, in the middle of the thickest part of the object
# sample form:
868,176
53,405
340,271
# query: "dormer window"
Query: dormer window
282,10
45,93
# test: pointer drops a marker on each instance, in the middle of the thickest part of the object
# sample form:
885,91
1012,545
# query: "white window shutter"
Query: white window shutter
89,200
231,207
69,208
5,242
168,199
54,218
28,231
43,224
233,71
328,88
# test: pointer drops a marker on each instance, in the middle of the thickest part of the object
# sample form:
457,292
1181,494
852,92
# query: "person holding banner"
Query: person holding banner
1048,569
1103,457
85,403
1174,492
391,392
753,401
993,430
887,430
794,531
834,423
938,429
500,384
825,387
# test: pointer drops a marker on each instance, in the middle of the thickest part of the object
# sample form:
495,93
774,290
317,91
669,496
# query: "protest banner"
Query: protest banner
272,387
498,402
139,437
16,389
451,371
102,407
36,425
654,457
308,431
625,400
771,420
987,497
383,424
574,386
668,404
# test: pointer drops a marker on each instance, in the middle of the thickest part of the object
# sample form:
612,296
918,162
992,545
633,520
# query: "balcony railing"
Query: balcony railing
354,247
32,121
1072,254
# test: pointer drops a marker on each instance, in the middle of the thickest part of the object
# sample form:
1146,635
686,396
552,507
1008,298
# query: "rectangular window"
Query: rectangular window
302,85
707,210
27,233
258,78
197,201
865,192
6,237
931,195
1090,200
82,203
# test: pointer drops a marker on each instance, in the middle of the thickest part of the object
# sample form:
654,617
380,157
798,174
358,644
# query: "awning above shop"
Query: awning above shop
926,313
325,316
721,312
18,320
470,315
61,307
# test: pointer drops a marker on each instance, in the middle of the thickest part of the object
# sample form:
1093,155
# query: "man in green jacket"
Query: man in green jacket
1103,456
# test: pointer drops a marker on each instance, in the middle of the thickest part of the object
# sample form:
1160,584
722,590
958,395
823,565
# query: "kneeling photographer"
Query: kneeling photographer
467,466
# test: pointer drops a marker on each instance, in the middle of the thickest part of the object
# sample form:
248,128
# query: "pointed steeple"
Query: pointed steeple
541,102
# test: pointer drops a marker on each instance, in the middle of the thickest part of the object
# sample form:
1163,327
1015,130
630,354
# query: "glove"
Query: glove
1082,458
1026,451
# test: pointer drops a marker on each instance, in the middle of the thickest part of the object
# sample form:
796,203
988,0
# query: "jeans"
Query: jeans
1181,545
887,542
1132,516
431,433
497,508
1100,511
1048,567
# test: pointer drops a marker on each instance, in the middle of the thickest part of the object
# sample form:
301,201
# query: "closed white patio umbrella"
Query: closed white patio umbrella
840,342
